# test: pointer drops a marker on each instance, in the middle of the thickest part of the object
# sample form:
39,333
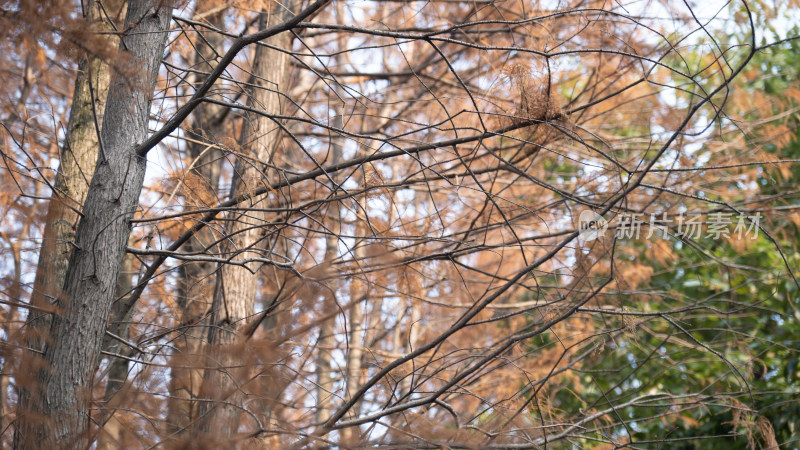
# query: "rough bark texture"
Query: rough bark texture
56,415
111,435
234,298
77,163
78,159
196,279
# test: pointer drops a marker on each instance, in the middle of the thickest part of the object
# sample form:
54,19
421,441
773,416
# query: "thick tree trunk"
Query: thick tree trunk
196,280
111,435
234,297
78,159
77,163
56,415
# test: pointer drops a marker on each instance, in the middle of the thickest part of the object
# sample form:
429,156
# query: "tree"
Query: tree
364,224
94,265
195,291
235,293
752,377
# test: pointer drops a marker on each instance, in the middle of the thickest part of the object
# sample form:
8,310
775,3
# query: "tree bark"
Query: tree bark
327,340
196,279
56,415
77,163
111,435
78,160
234,297
357,334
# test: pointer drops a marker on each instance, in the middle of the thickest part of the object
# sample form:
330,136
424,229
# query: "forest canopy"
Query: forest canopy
402,224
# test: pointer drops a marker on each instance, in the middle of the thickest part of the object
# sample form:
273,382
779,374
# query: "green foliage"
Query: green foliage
720,320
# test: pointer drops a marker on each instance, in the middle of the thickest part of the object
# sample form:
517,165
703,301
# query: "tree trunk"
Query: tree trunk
56,415
78,160
196,279
234,297
15,294
356,338
111,435
77,163
327,340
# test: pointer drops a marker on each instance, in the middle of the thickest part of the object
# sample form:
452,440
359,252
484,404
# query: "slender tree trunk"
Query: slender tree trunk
358,291
234,298
15,294
327,340
196,279
57,415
